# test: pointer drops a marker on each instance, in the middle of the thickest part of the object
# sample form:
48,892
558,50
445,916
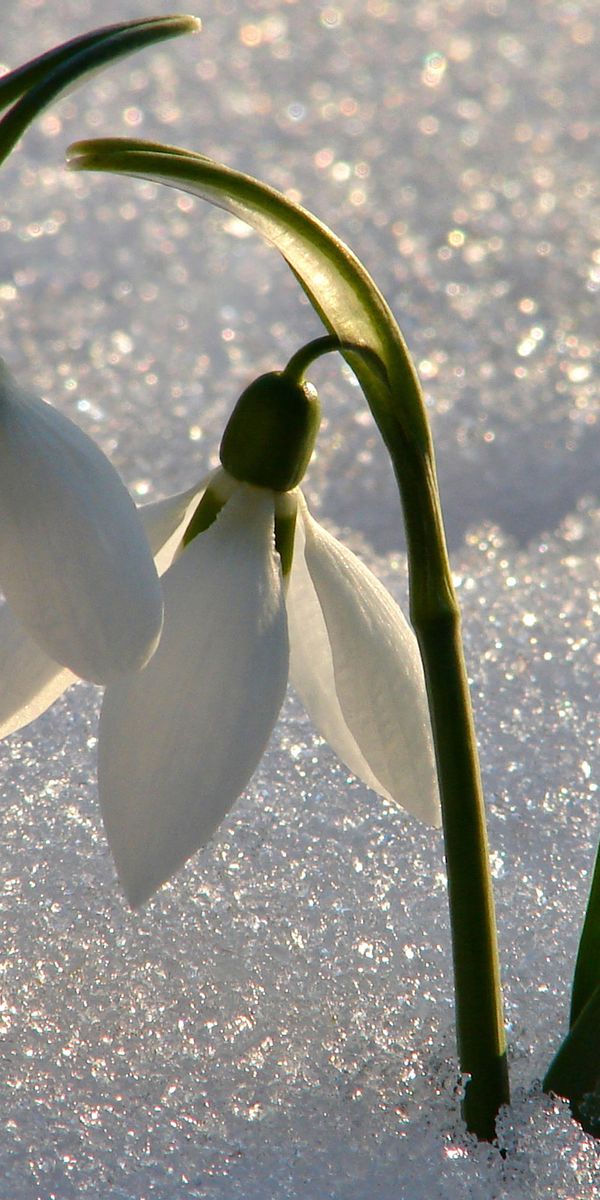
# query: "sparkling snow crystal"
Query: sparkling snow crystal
278,1022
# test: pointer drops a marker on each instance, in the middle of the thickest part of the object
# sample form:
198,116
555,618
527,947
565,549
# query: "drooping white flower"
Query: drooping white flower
75,566
255,591
180,740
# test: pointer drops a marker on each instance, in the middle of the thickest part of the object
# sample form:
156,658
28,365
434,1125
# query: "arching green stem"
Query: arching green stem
436,620
345,297
303,358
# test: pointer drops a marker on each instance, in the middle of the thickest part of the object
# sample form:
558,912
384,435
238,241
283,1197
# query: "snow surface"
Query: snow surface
278,1022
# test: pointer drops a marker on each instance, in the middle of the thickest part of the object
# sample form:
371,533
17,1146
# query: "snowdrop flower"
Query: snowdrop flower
75,567
258,591
255,591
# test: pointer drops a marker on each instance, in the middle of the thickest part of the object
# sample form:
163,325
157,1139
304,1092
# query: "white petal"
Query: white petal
180,740
74,563
165,521
311,665
29,681
356,664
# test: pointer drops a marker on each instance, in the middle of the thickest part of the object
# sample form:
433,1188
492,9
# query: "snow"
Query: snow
278,1022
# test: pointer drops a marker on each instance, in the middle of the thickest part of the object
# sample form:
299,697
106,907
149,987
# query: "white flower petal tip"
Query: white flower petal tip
29,681
180,741
75,565
355,662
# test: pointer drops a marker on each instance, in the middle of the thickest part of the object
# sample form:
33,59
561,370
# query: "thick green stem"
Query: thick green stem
436,620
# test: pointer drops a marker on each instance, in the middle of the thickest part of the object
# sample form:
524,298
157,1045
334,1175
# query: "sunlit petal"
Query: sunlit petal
379,714
180,740
74,564
311,666
30,681
164,522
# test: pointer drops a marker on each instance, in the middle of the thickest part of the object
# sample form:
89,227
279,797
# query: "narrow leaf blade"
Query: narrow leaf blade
574,1072
43,79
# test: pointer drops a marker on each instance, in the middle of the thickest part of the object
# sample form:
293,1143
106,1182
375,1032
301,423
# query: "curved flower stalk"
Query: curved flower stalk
353,310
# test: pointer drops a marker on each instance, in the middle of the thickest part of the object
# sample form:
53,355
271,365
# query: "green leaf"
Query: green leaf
575,1071
586,977
42,80
340,289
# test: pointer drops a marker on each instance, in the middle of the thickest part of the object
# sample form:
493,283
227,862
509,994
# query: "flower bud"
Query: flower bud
270,435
